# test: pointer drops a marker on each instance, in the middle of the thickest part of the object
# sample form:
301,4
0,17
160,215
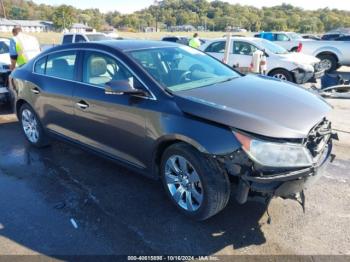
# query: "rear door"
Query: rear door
112,124
52,93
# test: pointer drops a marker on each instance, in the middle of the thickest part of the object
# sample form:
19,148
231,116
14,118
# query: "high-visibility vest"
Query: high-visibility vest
27,47
194,42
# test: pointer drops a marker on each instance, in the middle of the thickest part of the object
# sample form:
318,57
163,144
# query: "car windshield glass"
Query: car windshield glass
273,48
295,36
182,68
97,37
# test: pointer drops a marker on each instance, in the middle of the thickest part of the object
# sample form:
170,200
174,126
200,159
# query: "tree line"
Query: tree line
213,16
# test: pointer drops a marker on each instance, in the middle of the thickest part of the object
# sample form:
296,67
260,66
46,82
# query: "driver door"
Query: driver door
112,124
242,54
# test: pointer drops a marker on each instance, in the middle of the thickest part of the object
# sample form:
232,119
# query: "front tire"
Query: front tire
282,75
32,128
196,184
329,62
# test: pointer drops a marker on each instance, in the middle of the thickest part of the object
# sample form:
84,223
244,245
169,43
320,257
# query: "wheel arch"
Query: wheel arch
19,104
331,53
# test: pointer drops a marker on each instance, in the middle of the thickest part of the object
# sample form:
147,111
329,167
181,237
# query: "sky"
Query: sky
134,5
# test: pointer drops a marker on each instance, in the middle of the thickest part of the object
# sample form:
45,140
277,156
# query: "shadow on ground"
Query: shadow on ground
117,211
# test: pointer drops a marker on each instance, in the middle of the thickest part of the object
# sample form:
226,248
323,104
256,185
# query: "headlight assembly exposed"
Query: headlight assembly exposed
272,154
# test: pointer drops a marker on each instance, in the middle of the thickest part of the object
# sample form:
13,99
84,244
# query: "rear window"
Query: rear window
61,65
40,66
67,39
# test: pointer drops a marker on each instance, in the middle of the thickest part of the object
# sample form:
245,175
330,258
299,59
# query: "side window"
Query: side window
40,66
67,39
243,48
79,39
216,47
99,69
61,65
282,37
4,49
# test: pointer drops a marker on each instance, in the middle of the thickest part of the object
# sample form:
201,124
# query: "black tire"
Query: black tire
288,75
332,59
42,138
214,181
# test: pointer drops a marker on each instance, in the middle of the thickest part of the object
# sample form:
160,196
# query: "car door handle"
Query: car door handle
35,90
82,104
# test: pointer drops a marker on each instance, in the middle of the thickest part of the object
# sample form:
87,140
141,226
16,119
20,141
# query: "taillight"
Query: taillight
300,47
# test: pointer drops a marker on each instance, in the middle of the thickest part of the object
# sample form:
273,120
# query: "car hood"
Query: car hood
300,58
256,104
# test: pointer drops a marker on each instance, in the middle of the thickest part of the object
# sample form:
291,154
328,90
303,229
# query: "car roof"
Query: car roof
237,38
121,45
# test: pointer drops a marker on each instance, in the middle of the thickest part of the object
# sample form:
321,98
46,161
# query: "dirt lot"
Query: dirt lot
119,212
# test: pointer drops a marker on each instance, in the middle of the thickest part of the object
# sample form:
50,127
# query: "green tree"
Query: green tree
63,17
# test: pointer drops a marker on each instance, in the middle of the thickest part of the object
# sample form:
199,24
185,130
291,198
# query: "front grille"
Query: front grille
319,137
6,67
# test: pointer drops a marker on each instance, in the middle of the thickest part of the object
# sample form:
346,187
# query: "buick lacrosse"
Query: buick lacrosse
174,113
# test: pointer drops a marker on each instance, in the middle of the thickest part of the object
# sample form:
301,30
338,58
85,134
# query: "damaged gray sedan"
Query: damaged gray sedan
175,113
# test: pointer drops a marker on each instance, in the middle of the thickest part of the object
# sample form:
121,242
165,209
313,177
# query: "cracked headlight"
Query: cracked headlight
272,154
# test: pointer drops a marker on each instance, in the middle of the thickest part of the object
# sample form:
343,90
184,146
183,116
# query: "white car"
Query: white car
294,67
5,62
69,38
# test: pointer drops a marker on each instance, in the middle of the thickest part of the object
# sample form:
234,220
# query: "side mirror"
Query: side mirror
121,87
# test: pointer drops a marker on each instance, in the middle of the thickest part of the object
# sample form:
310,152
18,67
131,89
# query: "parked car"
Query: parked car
333,54
343,38
288,40
175,113
294,67
180,39
176,39
4,69
312,37
69,38
331,36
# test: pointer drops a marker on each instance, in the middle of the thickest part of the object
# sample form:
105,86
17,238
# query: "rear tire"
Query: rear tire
329,61
282,74
196,184
32,128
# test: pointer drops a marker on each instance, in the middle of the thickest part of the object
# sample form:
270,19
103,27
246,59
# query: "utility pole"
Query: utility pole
156,3
3,8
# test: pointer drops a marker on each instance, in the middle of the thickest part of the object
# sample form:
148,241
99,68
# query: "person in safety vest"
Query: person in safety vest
22,48
195,42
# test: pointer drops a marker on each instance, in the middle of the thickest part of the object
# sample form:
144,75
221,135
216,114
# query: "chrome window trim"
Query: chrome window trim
152,96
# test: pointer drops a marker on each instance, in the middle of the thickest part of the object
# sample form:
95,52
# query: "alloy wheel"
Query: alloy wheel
280,76
326,64
30,126
183,183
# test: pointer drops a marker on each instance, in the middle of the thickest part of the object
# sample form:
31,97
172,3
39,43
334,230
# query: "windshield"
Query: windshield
182,68
295,36
97,37
272,47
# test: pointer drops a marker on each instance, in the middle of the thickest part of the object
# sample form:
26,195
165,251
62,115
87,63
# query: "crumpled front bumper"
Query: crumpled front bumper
284,184
302,76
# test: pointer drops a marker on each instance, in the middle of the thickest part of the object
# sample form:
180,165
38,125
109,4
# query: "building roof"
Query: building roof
80,26
28,23
6,22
